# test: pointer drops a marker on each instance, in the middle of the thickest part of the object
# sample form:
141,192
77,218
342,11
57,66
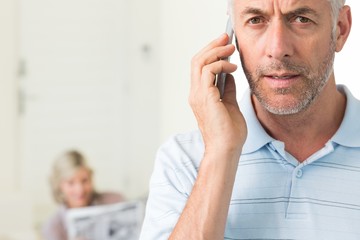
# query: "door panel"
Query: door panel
8,97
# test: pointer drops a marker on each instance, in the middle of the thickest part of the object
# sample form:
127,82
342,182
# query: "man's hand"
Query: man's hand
221,122
224,132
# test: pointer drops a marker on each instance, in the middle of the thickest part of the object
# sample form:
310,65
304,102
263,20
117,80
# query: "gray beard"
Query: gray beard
315,82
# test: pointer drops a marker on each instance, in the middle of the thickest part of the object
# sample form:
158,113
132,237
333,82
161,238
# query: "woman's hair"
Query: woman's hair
64,167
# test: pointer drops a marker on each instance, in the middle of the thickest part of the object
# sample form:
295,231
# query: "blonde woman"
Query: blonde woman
72,187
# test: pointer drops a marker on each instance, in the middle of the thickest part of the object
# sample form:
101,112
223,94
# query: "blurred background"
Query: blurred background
109,78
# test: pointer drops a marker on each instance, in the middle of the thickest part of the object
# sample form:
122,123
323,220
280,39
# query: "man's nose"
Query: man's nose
279,43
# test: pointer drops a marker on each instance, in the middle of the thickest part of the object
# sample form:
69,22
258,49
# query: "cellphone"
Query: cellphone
220,78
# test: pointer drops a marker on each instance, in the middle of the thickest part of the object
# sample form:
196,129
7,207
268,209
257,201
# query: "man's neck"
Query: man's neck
308,131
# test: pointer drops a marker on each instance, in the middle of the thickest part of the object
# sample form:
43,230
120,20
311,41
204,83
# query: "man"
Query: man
286,163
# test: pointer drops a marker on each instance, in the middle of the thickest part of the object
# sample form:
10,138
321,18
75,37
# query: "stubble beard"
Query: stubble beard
314,83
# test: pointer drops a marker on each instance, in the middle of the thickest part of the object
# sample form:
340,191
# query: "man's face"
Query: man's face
287,49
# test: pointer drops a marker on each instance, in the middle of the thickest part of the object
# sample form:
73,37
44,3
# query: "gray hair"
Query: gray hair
64,167
336,6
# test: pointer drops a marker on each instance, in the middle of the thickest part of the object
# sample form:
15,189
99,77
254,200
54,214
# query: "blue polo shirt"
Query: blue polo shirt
274,196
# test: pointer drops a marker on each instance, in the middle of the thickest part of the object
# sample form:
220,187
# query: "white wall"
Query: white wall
346,61
187,26
91,84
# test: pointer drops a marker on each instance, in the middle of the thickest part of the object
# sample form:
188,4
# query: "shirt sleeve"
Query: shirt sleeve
170,186
54,228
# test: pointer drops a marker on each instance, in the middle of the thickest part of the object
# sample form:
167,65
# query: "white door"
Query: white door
8,97
80,91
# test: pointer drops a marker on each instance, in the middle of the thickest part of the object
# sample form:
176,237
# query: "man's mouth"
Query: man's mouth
285,80
282,76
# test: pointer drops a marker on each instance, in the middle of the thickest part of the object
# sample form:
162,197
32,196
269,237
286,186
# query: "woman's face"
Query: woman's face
77,189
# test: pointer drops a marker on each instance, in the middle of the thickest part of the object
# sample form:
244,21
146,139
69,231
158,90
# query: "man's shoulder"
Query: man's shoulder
181,149
347,134
191,138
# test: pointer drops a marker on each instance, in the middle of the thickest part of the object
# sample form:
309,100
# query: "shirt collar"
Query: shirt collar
347,134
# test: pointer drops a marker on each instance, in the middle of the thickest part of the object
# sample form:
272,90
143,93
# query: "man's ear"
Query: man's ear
343,27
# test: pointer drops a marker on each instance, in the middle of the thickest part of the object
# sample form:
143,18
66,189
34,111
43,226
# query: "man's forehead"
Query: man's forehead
278,5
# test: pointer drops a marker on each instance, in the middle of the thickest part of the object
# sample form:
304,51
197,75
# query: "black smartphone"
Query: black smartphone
220,78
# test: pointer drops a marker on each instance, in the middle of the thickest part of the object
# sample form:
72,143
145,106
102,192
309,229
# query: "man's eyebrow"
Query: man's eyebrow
298,11
303,11
253,11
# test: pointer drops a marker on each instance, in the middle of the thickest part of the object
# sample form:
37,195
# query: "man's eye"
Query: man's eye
255,20
300,19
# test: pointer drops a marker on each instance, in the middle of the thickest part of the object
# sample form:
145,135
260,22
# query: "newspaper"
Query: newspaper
118,221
